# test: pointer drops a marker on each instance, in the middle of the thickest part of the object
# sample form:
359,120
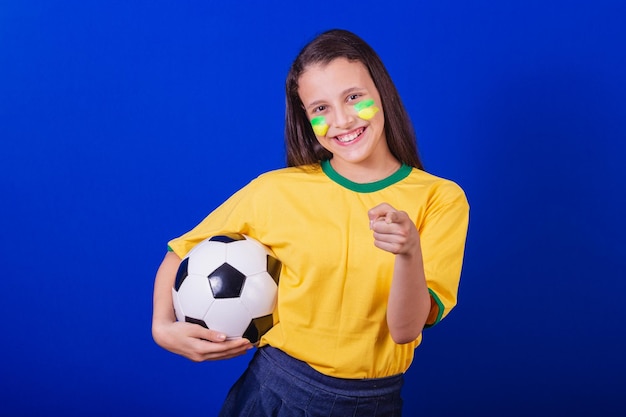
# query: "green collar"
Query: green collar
369,187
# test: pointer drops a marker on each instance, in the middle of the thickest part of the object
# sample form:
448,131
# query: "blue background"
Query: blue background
123,123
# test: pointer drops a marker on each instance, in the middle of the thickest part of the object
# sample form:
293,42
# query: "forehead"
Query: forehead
333,78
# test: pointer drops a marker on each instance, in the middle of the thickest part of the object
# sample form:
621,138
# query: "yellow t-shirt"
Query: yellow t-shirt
334,283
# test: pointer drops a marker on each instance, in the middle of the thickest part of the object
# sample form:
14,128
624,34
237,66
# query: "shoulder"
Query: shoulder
288,175
439,188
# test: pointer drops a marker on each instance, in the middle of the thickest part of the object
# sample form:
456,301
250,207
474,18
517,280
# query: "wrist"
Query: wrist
413,252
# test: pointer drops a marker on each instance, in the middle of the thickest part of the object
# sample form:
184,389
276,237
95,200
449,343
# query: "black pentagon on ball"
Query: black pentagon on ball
258,327
181,274
196,321
226,282
227,237
273,268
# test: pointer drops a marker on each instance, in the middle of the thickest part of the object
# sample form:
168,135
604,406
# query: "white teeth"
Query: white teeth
350,137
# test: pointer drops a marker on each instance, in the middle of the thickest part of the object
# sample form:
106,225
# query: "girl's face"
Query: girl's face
345,111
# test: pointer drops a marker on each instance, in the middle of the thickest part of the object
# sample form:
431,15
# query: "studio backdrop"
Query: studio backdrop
124,123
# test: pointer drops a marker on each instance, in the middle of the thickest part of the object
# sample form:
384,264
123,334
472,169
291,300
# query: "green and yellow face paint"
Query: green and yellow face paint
365,109
319,125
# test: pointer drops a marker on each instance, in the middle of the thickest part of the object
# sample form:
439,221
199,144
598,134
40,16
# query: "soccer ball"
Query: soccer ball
228,283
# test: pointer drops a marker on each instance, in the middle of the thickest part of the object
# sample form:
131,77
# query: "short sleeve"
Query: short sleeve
235,215
443,234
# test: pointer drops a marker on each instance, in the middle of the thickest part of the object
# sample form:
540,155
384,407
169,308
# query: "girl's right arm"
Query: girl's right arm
189,340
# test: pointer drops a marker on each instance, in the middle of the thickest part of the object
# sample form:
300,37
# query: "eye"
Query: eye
353,97
319,109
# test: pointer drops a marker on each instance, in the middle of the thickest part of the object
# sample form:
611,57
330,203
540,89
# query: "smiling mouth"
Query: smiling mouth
350,137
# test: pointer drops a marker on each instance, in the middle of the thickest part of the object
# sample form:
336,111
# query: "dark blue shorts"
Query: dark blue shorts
277,385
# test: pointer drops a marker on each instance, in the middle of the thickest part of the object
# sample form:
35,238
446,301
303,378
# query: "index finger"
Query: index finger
380,210
201,332
383,210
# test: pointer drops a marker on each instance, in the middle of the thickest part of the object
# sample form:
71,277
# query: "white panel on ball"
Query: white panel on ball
248,256
259,294
203,258
195,296
228,316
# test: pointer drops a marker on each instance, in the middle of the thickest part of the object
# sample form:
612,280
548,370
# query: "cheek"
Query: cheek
368,113
320,127
366,109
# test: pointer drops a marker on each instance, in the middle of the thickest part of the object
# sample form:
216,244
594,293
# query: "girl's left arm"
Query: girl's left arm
410,303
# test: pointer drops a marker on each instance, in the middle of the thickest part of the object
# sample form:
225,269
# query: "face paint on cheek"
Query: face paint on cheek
366,109
319,125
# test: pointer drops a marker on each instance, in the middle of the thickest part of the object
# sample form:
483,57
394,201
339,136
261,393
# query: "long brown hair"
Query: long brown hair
302,146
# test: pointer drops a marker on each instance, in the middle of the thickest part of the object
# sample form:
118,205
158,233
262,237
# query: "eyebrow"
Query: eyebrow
343,93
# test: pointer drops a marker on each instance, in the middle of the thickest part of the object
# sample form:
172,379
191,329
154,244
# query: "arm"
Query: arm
189,340
410,304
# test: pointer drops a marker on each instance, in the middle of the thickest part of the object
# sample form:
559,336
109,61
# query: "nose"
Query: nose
344,117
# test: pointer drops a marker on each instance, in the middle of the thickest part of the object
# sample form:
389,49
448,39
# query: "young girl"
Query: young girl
371,247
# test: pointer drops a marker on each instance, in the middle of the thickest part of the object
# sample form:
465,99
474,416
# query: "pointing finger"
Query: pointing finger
391,217
378,211
381,211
